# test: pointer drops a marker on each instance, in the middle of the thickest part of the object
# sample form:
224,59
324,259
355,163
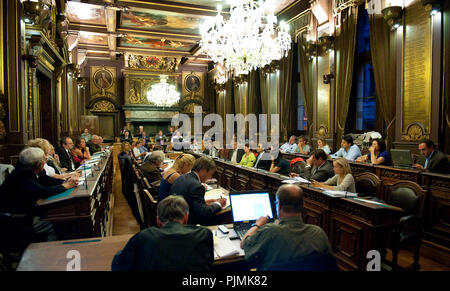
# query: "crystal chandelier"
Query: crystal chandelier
163,94
248,39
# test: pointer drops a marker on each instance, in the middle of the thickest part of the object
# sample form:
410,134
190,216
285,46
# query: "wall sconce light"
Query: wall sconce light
311,50
327,78
32,11
432,6
326,44
393,16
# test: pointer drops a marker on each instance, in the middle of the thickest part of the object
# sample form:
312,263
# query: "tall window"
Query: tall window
361,115
302,123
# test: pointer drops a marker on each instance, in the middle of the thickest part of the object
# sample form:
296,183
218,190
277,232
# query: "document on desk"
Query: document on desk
216,194
340,194
295,180
224,247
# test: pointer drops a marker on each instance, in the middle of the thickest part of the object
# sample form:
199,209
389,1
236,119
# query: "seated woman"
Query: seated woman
80,152
182,165
322,145
303,148
377,154
343,180
248,159
280,166
45,145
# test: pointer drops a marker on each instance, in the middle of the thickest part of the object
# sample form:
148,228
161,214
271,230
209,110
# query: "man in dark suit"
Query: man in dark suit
151,168
436,161
174,246
189,186
65,154
263,160
317,167
236,155
25,186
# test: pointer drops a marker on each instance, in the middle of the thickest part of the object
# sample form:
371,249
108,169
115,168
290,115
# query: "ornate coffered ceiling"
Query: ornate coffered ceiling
107,28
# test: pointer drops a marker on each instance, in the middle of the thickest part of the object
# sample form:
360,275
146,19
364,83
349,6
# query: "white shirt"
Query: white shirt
71,159
234,156
49,170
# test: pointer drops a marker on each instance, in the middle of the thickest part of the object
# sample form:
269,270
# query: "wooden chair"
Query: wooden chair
150,188
408,231
150,206
367,184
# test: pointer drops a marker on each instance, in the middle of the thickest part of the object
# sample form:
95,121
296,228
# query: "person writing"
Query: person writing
377,154
342,180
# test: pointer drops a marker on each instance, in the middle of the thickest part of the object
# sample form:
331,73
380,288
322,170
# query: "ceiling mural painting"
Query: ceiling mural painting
157,20
93,38
78,12
143,42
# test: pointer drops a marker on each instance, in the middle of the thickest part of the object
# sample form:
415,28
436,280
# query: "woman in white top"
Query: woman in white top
322,145
343,180
44,145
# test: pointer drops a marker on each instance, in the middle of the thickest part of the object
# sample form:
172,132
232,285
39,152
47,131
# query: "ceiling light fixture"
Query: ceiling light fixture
163,94
247,40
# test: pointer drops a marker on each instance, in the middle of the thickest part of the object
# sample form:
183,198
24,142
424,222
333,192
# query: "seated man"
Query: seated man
189,186
160,138
65,154
263,160
291,146
348,150
436,161
26,185
236,155
174,246
151,168
94,145
318,168
266,244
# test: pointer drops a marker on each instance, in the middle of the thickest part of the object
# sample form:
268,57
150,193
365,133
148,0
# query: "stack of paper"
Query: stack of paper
223,247
335,193
216,194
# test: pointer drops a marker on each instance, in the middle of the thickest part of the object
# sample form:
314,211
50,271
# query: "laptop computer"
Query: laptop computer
401,158
247,207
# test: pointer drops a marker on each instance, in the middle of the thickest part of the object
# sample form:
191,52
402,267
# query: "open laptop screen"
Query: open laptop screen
250,206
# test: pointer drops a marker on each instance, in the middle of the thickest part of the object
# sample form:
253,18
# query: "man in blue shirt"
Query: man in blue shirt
291,146
142,147
436,161
348,150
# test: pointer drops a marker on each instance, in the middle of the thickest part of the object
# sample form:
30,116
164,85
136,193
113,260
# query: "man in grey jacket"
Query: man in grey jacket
318,167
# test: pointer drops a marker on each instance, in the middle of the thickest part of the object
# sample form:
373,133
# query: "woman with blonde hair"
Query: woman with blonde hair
342,180
182,165
322,145
45,145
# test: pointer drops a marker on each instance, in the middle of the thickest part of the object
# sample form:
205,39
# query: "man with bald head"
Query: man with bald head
267,244
94,145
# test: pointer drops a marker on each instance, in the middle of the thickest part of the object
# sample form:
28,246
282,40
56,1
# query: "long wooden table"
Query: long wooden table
96,254
437,201
354,227
85,212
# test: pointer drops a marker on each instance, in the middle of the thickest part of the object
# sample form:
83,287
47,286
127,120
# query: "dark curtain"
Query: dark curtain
254,93
383,50
306,75
345,55
287,106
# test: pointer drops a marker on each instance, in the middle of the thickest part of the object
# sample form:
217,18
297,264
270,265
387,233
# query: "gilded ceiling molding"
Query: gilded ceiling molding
152,63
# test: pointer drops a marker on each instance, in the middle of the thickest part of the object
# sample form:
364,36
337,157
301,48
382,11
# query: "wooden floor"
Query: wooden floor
124,223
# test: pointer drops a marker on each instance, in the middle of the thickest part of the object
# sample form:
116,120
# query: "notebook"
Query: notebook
216,194
247,207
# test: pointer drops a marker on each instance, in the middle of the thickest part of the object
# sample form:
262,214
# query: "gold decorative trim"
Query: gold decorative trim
415,132
171,5
103,106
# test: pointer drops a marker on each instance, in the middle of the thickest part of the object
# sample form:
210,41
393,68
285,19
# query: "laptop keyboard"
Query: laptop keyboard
241,230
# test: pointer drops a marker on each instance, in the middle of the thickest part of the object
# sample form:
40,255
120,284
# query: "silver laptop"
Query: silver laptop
247,207
401,159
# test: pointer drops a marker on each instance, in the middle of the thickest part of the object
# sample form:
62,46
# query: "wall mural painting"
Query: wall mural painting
157,20
152,43
93,38
85,13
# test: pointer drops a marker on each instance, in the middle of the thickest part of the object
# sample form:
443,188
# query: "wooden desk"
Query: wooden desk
353,227
96,254
85,212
